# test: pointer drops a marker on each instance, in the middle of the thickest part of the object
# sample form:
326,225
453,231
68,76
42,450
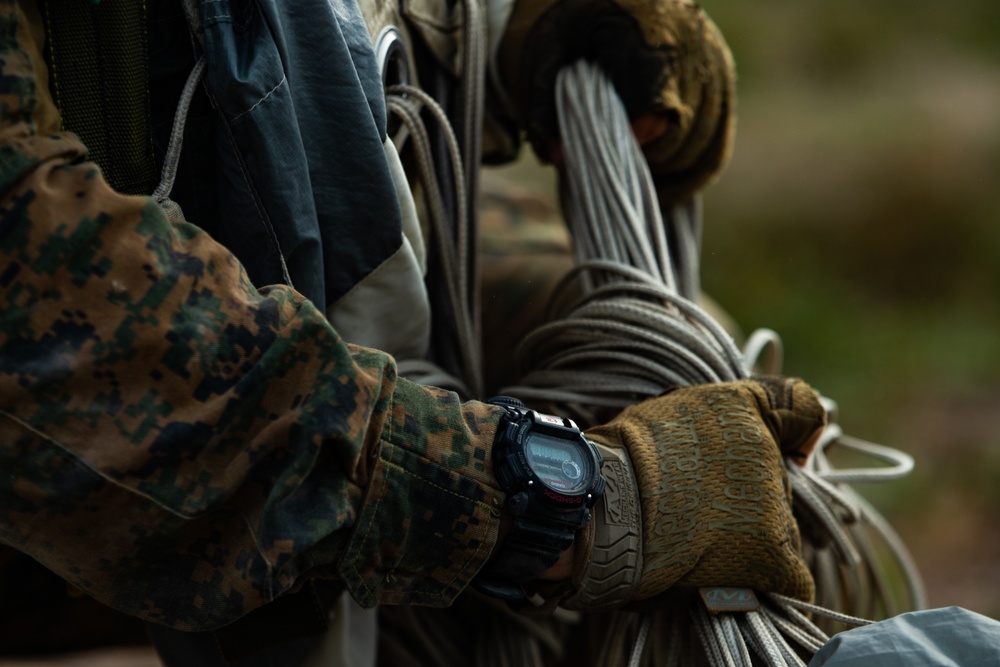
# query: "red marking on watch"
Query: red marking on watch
561,498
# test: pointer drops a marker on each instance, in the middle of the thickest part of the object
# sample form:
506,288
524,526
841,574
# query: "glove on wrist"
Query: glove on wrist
664,56
697,494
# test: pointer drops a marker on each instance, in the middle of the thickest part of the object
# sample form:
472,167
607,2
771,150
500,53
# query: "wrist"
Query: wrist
562,569
551,475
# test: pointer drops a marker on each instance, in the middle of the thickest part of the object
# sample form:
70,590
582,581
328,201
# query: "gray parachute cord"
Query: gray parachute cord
628,312
735,640
784,601
901,463
675,655
621,241
473,93
637,313
644,367
173,156
606,383
796,633
698,371
766,642
686,224
865,518
403,101
640,641
769,632
688,313
838,498
810,496
402,108
876,596
711,639
761,344
801,622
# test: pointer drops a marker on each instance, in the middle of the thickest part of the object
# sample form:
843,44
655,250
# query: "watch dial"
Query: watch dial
557,462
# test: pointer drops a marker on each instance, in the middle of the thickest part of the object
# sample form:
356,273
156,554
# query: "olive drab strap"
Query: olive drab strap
97,58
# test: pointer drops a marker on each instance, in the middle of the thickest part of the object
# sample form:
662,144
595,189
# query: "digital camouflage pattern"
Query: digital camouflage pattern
184,447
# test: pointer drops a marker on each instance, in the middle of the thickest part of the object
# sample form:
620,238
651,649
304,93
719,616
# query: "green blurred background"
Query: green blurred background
860,218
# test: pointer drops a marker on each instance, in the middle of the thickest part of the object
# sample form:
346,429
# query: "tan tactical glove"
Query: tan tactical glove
697,495
668,61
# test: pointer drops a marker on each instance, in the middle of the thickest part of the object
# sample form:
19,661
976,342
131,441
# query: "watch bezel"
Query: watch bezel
526,479
544,520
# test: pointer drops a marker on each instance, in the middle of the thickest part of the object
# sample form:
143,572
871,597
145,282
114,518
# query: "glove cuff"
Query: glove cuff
609,550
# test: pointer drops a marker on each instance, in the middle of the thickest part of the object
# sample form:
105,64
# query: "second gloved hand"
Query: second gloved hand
697,495
670,66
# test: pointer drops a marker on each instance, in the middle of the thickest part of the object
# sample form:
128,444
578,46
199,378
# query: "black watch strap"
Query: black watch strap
544,522
528,549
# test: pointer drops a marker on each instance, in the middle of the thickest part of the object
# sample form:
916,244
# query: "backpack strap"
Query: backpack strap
97,55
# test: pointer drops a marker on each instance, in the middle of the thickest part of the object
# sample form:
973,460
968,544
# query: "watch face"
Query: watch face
557,462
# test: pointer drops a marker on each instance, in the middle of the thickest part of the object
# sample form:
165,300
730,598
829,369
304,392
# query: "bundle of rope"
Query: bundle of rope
454,242
449,195
626,326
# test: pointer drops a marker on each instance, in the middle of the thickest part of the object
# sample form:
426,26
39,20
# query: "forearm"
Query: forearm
170,431
186,448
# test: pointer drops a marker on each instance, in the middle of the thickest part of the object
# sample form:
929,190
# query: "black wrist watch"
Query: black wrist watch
552,476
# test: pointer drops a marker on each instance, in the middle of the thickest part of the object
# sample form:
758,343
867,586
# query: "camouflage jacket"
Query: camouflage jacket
184,447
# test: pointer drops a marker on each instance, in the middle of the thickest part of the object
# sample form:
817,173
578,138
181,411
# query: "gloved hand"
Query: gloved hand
668,61
697,495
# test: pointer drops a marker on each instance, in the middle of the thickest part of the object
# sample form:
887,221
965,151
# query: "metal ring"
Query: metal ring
392,57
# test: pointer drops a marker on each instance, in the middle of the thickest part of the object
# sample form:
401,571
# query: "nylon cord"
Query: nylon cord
406,103
626,325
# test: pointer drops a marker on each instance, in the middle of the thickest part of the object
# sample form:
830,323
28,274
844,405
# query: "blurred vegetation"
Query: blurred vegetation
860,218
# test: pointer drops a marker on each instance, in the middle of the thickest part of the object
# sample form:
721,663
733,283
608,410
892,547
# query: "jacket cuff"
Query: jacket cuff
431,513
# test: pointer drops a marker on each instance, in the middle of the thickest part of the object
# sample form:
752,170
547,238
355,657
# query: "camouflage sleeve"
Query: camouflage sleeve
186,448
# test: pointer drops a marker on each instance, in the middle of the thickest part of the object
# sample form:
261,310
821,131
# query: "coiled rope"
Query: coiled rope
453,223
626,325
407,103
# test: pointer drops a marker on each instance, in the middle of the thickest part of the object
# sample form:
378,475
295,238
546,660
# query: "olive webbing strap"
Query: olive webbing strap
97,57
